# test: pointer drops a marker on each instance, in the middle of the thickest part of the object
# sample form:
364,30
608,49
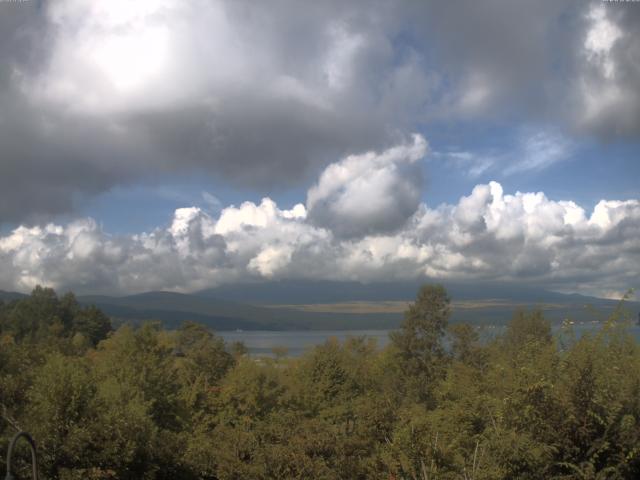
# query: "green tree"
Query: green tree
418,342
465,345
203,353
528,327
61,414
92,323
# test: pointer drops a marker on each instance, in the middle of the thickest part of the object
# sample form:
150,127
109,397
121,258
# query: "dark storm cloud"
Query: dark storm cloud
47,162
47,157
533,62
254,141
93,94
22,30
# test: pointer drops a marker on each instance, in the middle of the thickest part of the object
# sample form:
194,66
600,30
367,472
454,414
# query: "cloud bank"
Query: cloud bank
487,235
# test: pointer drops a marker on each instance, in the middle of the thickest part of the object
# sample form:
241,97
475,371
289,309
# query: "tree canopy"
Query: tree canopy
142,402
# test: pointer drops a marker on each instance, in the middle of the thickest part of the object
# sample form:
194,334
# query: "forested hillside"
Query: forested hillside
148,403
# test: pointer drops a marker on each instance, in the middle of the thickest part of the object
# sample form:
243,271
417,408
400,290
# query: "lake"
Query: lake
262,343
296,342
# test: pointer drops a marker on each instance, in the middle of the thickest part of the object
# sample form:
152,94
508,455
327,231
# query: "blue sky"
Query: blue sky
169,145
592,170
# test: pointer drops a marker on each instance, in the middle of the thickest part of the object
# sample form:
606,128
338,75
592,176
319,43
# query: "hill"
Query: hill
319,292
340,305
8,296
174,308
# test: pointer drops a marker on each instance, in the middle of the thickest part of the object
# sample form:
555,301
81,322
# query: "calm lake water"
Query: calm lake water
262,343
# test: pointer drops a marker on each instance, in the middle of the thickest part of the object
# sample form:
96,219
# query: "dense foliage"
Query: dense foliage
144,402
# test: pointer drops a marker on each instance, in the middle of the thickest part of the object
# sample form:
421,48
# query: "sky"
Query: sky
171,145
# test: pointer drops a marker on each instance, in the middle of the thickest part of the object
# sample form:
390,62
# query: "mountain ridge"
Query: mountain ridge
323,305
311,305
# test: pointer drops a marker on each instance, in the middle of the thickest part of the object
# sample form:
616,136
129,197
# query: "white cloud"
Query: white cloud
476,95
211,201
343,48
471,164
369,193
600,38
540,150
534,150
487,235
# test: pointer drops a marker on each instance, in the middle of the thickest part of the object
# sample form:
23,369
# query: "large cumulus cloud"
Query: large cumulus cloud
95,94
369,193
487,235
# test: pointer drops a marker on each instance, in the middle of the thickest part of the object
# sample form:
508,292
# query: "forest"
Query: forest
144,402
